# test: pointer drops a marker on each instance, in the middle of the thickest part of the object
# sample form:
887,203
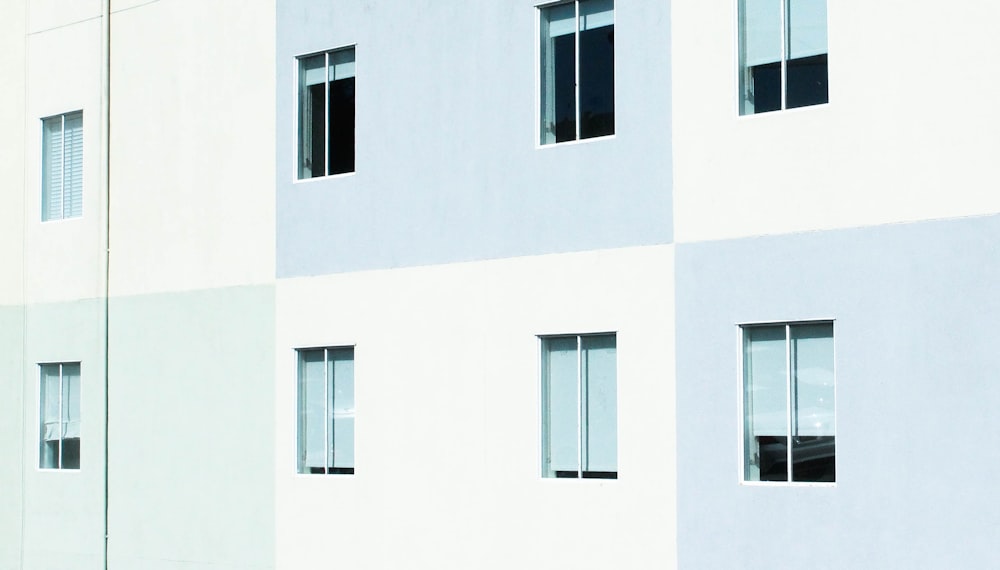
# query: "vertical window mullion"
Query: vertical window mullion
326,113
579,407
785,50
62,188
788,402
62,427
326,411
576,65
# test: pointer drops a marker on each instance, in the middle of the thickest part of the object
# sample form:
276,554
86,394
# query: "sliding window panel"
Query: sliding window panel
813,409
560,400
73,166
600,394
312,116
597,68
760,37
51,425
52,168
558,73
765,392
340,367
70,452
341,111
312,412
807,72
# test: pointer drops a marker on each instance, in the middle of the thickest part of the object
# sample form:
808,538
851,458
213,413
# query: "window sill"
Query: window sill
779,484
574,142
328,177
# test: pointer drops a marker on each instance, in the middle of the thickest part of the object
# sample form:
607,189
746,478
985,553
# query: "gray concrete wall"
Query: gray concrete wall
916,314
447,167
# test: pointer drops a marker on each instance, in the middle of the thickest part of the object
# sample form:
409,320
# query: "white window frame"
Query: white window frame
538,78
544,411
741,401
40,423
738,29
327,414
62,169
296,70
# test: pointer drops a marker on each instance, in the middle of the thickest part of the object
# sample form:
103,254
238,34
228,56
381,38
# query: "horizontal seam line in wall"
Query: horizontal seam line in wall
134,7
64,25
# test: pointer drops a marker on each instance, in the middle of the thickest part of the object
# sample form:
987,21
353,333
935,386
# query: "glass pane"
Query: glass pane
559,392
312,116
49,436
52,168
71,400
312,404
341,157
760,55
597,68
806,28
600,421
558,73
73,166
765,386
341,371
813,419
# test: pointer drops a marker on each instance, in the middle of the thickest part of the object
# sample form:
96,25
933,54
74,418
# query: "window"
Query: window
62,166
577,70
326,114
59,397
579,407
326,410
783,52
788,403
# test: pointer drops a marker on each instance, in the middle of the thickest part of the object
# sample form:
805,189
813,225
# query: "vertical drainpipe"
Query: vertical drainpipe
106,238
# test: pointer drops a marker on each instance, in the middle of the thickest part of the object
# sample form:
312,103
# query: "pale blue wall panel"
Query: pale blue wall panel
916,341
447,164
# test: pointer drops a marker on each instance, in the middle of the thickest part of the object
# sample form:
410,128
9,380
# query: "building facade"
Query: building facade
581,284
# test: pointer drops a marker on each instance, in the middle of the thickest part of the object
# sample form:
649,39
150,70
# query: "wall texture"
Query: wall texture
447,164
915,309
447,444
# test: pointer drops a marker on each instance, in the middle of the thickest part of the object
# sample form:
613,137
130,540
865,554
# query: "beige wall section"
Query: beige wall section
49,14
12,124
192,96
64,76
911,131
63,519
447,433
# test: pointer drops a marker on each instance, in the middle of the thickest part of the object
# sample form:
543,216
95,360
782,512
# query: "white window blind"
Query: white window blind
62,167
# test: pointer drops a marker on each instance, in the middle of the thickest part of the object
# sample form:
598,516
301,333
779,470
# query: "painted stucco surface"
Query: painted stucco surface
915,311
192,430
447,440
447,164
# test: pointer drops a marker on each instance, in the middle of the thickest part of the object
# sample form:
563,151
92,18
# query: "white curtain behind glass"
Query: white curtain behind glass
562,436
600,428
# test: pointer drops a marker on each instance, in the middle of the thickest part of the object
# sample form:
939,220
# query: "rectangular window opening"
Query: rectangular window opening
326,116
579,407
59,412
577,67
783,54
789,420
62,166
326,411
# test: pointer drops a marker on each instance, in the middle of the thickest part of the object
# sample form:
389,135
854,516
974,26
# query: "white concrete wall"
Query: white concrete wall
12,166
911,131
63,75
448,470
192,203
